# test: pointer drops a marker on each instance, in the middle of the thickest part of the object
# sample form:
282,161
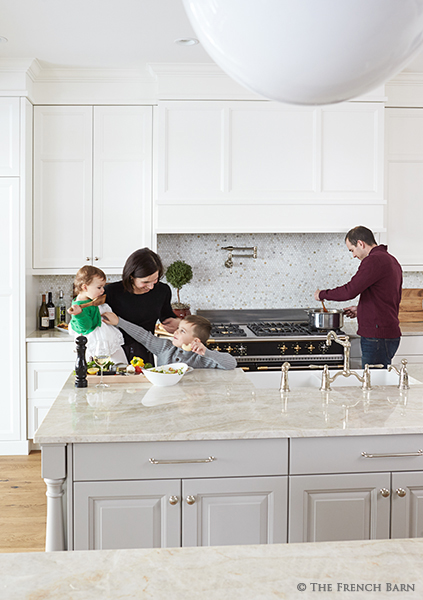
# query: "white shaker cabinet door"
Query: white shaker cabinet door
9,137
234,511
407,505
122,183
62,186
328,508
404,180
127,514
9,309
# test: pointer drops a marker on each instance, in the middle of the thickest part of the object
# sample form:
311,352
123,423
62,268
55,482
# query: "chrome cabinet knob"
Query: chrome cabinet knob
385,493
190,500
401,492
173,500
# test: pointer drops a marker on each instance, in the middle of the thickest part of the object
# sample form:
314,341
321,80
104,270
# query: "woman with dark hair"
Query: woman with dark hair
142,298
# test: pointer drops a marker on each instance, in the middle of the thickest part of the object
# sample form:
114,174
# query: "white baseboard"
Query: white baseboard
14,448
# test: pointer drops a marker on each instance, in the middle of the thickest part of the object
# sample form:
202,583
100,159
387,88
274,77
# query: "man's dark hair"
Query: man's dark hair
361,233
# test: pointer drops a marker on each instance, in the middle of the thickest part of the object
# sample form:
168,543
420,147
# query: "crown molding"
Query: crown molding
197,81
405,90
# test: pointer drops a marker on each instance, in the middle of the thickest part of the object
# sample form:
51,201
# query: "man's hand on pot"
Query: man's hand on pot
350,311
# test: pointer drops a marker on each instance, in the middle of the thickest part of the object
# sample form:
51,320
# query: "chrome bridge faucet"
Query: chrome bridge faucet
346,371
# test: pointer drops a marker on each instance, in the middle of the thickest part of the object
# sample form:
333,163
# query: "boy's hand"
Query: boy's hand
110,318
198,347
75,309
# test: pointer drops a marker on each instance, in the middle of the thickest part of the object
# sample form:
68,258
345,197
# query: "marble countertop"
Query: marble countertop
213,404
49,335
330,569
350,328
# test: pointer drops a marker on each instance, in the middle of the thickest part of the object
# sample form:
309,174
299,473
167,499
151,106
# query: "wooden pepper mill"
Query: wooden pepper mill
81,362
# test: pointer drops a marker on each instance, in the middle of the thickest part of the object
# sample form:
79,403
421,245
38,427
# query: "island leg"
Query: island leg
53,471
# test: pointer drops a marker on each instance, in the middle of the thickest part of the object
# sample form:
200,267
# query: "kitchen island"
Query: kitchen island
208,461
333,570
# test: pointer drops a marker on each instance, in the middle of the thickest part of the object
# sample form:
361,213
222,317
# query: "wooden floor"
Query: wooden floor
23,504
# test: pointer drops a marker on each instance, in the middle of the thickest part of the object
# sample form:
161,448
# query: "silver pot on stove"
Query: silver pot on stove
329,319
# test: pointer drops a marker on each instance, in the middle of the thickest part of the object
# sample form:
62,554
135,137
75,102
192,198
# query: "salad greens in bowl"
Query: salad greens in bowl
166,375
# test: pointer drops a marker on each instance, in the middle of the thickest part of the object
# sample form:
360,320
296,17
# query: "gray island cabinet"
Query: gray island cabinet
215,461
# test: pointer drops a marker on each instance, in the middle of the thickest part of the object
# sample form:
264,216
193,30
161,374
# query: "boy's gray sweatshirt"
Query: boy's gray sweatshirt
167,353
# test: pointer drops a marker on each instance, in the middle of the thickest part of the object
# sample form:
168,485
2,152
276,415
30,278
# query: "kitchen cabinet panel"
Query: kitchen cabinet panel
294,163
122,183
404,183
10,303
326,508
48,367
128,514
234,511
407,505
92,185
62,186
9,136
411,348
352,152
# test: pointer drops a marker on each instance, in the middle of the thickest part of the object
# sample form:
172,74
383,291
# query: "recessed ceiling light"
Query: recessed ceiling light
186,41
3,39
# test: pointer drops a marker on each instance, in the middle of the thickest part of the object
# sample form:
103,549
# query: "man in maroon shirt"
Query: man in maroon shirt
379,282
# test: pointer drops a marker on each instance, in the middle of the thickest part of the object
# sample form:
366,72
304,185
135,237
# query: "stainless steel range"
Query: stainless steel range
265,339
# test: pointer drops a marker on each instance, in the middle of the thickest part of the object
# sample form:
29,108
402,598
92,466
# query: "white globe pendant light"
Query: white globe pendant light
309,51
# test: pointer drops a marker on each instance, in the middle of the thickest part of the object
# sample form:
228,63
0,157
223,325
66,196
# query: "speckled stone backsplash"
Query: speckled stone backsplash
288,269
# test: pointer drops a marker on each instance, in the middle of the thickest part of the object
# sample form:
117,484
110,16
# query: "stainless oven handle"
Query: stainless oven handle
154,461
398,455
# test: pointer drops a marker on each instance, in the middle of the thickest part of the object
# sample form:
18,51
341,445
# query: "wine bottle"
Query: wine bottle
43,314
61,309
51,311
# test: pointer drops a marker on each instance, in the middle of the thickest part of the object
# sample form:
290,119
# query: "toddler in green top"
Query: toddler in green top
88,286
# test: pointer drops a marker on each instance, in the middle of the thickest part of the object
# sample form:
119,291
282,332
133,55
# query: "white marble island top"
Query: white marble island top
219,405
328,570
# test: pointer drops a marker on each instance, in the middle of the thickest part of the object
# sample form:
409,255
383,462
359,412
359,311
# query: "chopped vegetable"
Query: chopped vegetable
137,362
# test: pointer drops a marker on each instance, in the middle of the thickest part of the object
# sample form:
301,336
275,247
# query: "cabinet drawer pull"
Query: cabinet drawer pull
418,453
173,500
385,493
401,492
154,461
190,500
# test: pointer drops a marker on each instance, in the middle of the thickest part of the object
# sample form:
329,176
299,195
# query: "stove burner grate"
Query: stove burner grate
226,330
267,329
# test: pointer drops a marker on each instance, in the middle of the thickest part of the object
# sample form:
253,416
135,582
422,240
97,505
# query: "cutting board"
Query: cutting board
140,378
411,309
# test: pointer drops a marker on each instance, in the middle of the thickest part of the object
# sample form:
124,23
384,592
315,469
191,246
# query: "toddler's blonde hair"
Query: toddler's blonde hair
84,276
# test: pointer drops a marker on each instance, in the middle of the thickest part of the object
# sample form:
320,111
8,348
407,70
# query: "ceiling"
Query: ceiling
113,34
97,33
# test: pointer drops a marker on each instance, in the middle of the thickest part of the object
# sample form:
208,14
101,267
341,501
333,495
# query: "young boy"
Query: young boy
187,346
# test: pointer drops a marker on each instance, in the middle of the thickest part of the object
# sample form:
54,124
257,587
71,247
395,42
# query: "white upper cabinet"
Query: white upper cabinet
62,186
122,183
262,166
92,185
404,182
9,136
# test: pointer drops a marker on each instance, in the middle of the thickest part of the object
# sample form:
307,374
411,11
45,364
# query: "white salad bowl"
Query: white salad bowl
160,375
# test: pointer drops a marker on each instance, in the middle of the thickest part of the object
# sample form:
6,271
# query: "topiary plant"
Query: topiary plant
178,274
